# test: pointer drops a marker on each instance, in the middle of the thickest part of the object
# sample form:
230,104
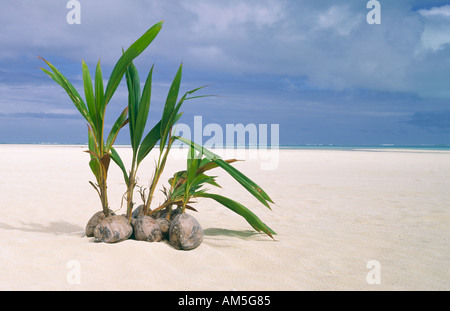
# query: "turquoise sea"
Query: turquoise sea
293,147
357,147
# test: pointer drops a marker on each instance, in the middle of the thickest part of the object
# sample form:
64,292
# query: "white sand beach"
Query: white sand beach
334,211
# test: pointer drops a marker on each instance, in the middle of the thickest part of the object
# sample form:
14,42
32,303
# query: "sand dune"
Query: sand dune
335,212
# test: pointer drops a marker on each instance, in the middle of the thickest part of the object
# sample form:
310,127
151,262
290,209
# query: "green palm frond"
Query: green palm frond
97,98
188,184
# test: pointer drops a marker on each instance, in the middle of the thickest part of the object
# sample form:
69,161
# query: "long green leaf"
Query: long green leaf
248,184
192,164
88,90
240,209
94,163
99,92
209,165
199,180
149,142
124,61
93,144
169,107
116,158
151,139
90,99
70,90
144,106
173,116
252,187
120,122
134,94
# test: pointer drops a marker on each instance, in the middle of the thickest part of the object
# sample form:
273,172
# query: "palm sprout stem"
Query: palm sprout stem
158,171
130,188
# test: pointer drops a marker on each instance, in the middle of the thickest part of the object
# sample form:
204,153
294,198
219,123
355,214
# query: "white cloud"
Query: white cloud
208,53
339,19
443,10
222,16
437,27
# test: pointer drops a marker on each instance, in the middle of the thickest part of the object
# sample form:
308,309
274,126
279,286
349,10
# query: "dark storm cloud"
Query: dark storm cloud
289,61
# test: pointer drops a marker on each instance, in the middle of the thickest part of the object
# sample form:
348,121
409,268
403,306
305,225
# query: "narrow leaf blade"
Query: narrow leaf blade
88,90
240,209
120,122
248,184
99,93
131,53
116,158
170,105
149,142
59,78
134,93
144,107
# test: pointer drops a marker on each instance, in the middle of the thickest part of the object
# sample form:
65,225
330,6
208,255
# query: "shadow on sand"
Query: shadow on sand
243,234
55,227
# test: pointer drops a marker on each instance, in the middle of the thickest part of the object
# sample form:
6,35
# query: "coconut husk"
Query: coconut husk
147,228
164,226
185,232
93,222
138,211
113,229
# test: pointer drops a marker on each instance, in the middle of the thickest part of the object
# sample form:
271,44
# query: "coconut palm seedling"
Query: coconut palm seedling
138,110
168,120
145,227
187,185
94,108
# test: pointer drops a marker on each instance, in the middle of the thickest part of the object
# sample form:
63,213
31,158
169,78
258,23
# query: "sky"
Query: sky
317,69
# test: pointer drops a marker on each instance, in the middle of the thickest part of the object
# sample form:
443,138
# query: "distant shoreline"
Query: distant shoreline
281,147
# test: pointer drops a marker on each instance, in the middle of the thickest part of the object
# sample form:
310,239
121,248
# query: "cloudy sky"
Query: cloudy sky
316,68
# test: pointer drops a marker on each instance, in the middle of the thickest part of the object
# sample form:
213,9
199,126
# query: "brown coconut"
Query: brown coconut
113,229
146,228
164,226
185,232
93,222
138,211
